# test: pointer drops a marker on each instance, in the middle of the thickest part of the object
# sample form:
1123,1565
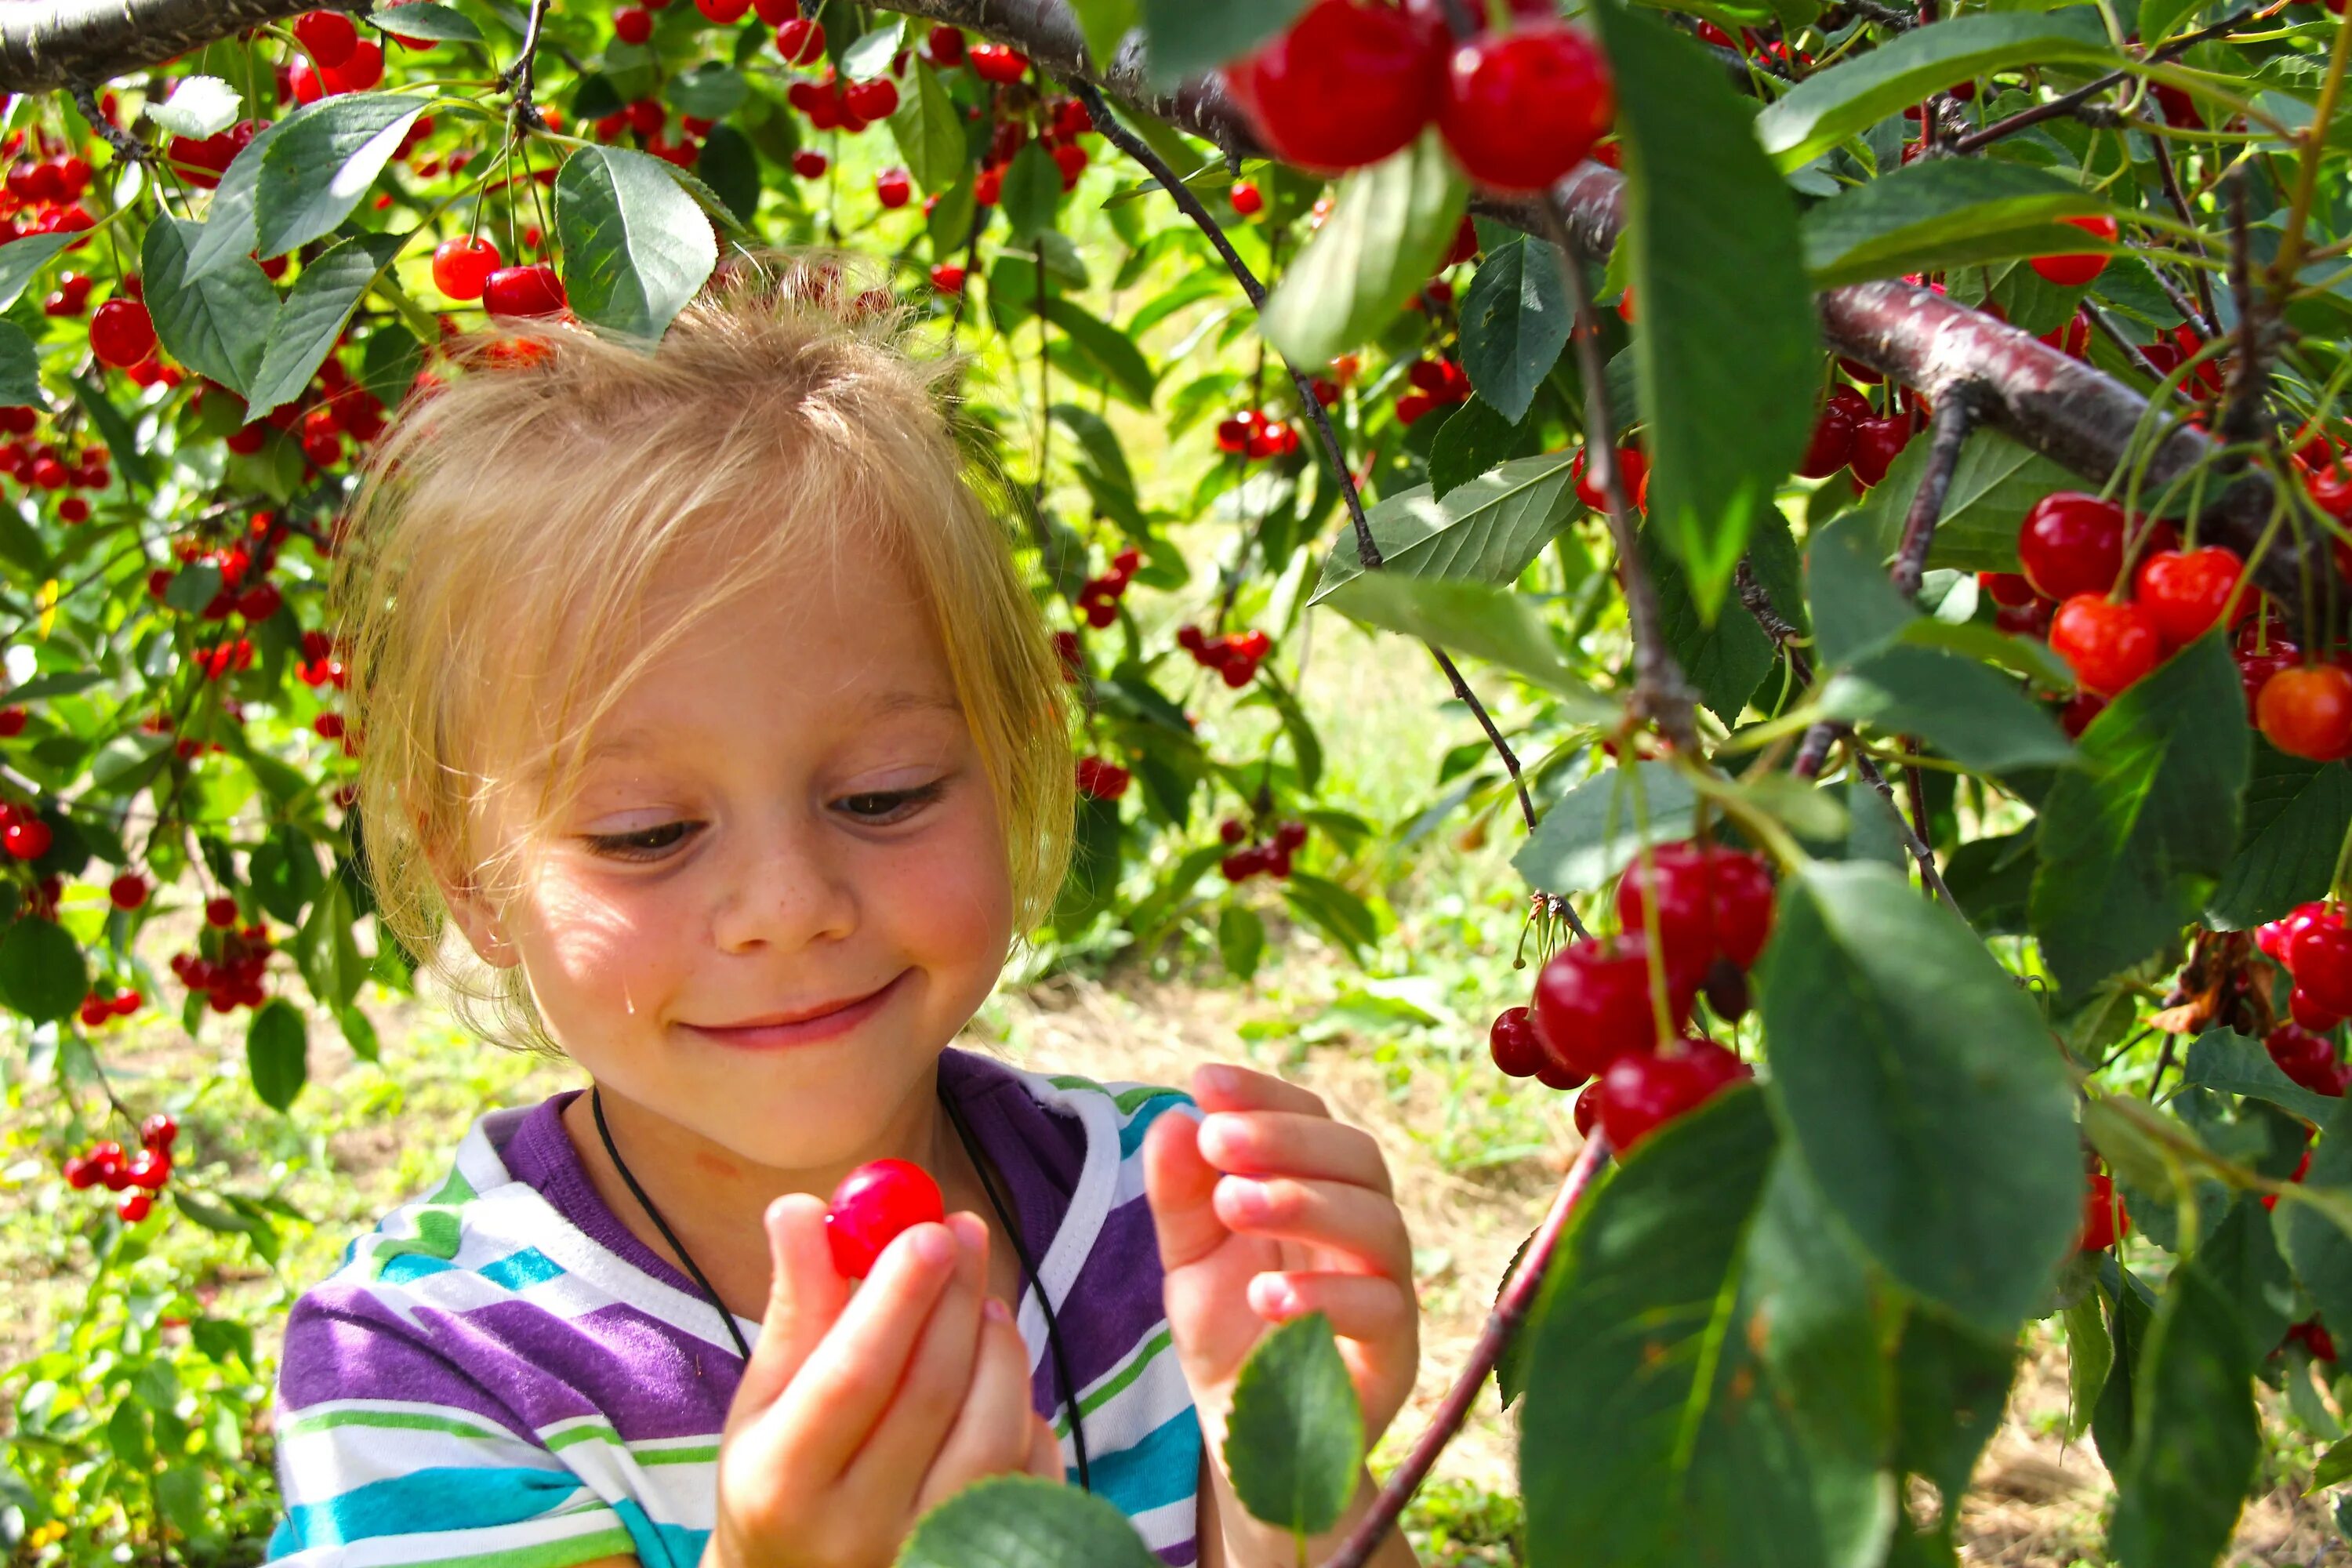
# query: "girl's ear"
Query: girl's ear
472,909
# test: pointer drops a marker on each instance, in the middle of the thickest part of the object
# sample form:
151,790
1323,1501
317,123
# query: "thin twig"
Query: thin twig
2198,316
1955,414
1494,735
1510,1309
1660,693
2241,409
2180,201
2129,350
520,75
127,147
2066,103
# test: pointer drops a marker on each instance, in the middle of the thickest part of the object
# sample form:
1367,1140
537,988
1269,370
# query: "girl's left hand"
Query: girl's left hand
1268,1210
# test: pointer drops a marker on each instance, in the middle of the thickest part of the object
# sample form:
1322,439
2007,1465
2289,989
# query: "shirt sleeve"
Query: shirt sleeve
391,1453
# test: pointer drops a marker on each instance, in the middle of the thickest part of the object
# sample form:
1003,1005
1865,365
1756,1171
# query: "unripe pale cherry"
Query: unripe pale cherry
873,1203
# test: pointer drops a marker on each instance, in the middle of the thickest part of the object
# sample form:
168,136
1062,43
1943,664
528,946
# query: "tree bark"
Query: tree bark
2078,417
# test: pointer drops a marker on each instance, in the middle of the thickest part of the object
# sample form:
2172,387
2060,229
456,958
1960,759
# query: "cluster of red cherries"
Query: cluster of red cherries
2311,944
96,1010
234,979
22,835
1097,601
1255,433
468,267
1350,84
1234,656
1252,857
1099,778
137,1177
43,188
1594,1016
1437,383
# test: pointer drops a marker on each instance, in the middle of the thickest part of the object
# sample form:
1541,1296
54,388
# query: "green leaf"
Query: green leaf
1189,37
1031,194
929,134
1332,910
709,90
324,158
2241,1258
199,107
1994,483
1515,321
43,974
2132,840
1725,659
1857,609
1132,375
2229,1062
2297,814
278,1052
636,247
869,56
1726,311
21,261
1021,1521
115,430
1241,940
1295,1441
2195,1440
1920,1085
2316,1246
1849,98
1494,624
228,234
1978,719
1648,1436
323,949
20,367
1593,831
1951,1383
731,169
428,19
1942,213
1105,22
2089,1355
313,316
1093,882
1488,531
217,324
1472,440
2130,1313
1389,226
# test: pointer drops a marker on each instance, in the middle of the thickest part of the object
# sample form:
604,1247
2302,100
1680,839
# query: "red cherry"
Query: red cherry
2307,1011
26,838
1231,830
801,41
632,24
357,73
2184,592
893,188
80,1171
873,1203
1512,1039
726,13
220,912
1241,865
2308,1058
2331,490
2108,646
1593,1002
948,277
2079,710
1831,447
128,891
1290,836
999,63
2305,710
159,1131
2071,544
1347,85
531,291
2006,588
1521,109
134,1208
2319,956
1639,1093
809,163
2104,1216
150,1168
329,36
946,45
1247,199
873,100
2073,270
1588,1110
461,266
122,334
2274,937
1876,444
2269,1200
1630,462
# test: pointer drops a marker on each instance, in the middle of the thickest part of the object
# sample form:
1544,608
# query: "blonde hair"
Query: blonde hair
513,522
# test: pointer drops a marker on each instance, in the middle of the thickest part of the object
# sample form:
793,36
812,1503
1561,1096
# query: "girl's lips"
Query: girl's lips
808,1031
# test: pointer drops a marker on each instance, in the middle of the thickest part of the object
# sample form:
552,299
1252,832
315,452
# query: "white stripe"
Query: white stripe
429,1546
313,1467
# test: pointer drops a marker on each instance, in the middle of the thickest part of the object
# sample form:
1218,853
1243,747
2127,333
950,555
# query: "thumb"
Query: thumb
805,1294
1181,1187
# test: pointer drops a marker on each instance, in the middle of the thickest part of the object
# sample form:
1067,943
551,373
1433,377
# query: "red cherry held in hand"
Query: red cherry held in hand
2108,646
2305,710
2184,592
2071,544
531,290
873,1203
2073,270
462,265
1521,109
1512,1040
1641,1094
1347,85
2104,1216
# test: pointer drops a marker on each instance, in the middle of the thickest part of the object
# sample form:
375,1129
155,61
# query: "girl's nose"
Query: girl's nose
786,887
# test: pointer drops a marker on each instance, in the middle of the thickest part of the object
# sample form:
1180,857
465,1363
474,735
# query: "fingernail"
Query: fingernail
996,1309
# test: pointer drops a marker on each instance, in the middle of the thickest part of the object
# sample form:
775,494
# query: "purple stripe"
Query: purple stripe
1182,1555
342,1343
646,1378
1118,1299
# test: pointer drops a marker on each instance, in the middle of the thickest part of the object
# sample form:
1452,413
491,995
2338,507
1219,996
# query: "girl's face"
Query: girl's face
786,814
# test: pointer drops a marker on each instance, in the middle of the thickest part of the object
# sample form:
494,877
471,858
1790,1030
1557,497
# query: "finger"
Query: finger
845,1385
1046,1451
1181,1187
992,1434
1353,1221
1286,1143
889,1466
805,1294
1221,1086
1367,1306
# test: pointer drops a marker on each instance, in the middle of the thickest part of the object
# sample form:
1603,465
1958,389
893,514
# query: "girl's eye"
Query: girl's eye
646,843
882,807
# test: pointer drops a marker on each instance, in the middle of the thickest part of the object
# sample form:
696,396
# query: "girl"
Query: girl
699,692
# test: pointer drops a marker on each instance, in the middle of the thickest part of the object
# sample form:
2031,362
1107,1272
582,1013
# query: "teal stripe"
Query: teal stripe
448,1496
1164,1467
1130,1137
520,1270
403,1267
661,1546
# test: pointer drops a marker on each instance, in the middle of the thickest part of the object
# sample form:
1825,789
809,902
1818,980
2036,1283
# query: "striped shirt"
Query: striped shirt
502,1376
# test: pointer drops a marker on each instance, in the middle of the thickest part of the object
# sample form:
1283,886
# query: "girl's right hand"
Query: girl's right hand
858,1412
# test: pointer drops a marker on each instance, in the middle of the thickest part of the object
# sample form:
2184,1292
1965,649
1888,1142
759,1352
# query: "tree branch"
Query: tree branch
2068,102
1953,417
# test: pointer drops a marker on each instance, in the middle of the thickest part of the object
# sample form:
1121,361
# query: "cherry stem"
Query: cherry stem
1509,1312
1955,415
2128,349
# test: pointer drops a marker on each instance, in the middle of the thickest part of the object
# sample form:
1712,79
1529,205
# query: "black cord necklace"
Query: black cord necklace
1029,1280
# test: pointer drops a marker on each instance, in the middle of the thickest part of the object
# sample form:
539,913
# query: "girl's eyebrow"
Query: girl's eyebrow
642,738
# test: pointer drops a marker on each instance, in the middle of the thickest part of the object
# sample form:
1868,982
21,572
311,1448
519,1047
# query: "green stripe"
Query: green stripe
586,1432
702,1454
412,1420
1126,1100
1103,1395
603,1432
